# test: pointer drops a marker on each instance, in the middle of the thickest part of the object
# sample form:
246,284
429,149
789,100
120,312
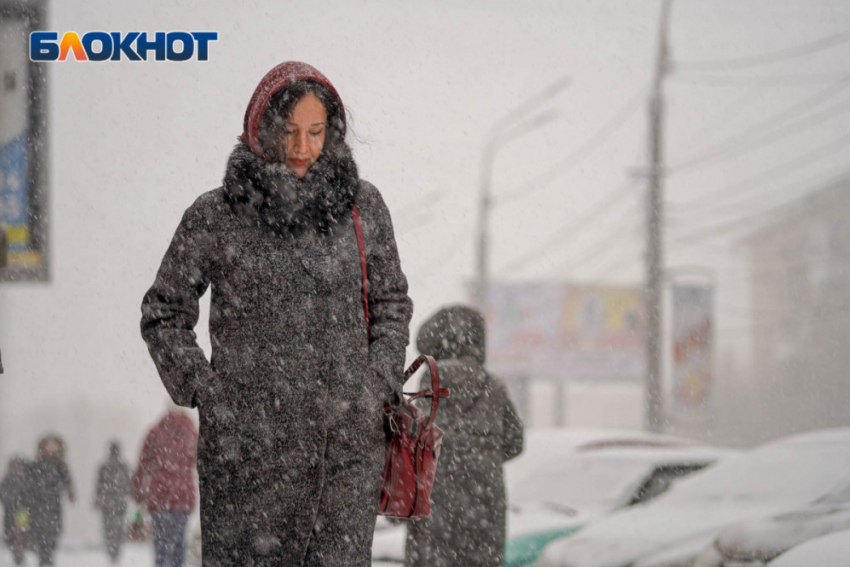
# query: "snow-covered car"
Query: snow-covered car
832,550
565,477
754,543
672,530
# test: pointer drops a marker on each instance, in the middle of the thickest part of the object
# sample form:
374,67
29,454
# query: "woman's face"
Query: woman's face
303,135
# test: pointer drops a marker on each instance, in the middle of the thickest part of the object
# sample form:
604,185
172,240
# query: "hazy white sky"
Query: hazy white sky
133,144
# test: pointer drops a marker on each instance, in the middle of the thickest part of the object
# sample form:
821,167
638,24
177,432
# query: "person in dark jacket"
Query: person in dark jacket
15,494
292,443
164,482
111,493
50,477
481,431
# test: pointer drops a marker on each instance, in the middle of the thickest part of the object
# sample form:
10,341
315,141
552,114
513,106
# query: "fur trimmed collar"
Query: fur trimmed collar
273,195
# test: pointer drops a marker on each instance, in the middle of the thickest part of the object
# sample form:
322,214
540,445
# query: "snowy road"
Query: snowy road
133,555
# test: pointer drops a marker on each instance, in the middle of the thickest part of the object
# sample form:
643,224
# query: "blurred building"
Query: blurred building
800,284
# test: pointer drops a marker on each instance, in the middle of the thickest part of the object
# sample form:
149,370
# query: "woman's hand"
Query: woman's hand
394,399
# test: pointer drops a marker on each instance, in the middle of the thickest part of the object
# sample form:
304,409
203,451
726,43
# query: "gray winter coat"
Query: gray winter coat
291,444
481,431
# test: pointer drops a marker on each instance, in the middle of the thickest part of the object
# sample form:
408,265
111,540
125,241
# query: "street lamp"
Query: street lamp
502,132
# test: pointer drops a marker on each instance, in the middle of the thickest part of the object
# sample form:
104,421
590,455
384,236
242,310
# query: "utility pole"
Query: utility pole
653,405
505,130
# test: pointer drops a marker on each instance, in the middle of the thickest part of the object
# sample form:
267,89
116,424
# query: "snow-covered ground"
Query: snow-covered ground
133,555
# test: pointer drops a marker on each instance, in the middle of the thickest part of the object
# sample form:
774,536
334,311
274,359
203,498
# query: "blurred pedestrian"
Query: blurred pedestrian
164,482
50,478
111,493
15,494
291,407
481,431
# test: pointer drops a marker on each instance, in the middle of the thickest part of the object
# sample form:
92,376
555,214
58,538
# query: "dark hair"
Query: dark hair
281,106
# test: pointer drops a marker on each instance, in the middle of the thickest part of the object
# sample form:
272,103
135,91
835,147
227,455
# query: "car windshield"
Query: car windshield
788,472
580,482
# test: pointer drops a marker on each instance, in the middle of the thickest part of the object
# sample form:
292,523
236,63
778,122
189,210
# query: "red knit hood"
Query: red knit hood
276,80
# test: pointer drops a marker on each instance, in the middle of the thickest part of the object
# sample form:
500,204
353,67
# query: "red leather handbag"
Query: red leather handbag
413,447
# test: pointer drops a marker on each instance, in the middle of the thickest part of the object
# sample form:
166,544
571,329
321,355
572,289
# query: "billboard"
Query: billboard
693,368
565,332
23,210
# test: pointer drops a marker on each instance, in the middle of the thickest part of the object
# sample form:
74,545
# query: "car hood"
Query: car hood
623,538
766,538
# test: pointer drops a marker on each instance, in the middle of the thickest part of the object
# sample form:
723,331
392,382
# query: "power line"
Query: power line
767,139
724,113
617,263
595,265
580,153
751,198
769,125
625,259
759,179
568,231
730,226
755,90
759,81
601,246
765,58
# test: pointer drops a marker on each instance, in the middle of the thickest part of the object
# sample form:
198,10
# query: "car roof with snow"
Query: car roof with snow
769,479
591,470
832,549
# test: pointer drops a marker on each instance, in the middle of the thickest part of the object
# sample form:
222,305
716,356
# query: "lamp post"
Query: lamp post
653,398
505,130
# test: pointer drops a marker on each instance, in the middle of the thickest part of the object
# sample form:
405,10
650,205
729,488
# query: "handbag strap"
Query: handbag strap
355,216
435,393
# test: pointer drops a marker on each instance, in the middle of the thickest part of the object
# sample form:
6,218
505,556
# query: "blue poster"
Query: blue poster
14,192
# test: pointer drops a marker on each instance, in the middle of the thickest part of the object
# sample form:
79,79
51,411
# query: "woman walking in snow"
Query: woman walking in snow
291,444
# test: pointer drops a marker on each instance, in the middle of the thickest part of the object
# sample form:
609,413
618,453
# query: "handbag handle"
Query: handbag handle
435,393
